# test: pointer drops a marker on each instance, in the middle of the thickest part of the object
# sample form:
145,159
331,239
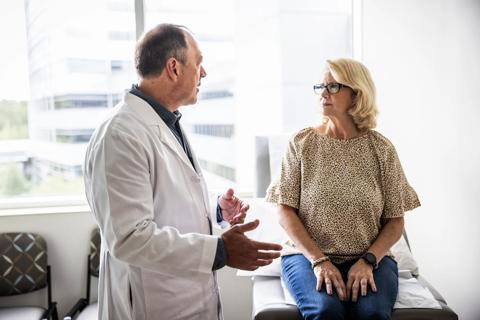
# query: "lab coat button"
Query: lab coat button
195,179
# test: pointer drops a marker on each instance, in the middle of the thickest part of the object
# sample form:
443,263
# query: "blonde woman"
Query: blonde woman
341,197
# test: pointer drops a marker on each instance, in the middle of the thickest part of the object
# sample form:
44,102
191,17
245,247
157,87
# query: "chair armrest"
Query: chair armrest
78,307
51,312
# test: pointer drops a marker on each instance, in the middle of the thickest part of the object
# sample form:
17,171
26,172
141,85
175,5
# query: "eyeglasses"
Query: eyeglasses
332,87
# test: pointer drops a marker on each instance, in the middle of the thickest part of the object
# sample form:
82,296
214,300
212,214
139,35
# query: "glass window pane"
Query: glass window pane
65,65
261,59
210,123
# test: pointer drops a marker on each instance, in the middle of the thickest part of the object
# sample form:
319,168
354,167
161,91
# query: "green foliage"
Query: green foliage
13,182
57,185
13,120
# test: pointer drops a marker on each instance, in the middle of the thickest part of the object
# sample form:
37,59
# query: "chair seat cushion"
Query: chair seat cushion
21,313
89,313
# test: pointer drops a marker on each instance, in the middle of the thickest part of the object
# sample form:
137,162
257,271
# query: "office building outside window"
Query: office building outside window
66,64
79,62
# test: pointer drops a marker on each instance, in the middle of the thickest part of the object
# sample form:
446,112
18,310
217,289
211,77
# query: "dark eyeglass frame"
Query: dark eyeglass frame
332,87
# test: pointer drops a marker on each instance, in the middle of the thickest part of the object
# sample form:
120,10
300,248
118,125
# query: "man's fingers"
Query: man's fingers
239,217
248,268
244,208
268,255
243,252
237,220
254,265
263,262
266,246
247,226
228,195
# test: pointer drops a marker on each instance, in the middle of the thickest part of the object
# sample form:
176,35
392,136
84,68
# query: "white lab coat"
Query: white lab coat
152,208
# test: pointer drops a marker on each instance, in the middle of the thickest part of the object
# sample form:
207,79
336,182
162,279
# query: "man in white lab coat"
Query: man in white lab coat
147,192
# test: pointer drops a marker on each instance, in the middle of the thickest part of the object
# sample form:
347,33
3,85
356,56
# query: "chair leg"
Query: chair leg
88,279
55,313
51,312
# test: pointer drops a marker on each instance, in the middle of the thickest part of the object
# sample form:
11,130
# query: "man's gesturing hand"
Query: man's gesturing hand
233,209
244,253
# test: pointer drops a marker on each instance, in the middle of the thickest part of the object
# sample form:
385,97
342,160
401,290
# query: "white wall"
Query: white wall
425,60
67,236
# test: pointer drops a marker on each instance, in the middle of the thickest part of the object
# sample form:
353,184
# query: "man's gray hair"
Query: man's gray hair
157,46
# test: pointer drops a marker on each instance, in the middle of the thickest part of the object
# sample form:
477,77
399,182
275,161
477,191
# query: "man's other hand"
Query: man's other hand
247,254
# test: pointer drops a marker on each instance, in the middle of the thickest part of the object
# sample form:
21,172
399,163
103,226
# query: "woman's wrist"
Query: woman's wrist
319,261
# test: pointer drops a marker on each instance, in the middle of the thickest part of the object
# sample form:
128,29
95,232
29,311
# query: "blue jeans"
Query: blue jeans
298,275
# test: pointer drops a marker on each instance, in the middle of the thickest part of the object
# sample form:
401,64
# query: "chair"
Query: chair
24,269
83,307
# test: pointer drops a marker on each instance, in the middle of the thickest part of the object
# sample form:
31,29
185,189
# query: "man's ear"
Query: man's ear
171,67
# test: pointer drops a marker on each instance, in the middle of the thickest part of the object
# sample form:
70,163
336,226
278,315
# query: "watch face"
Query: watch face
370,258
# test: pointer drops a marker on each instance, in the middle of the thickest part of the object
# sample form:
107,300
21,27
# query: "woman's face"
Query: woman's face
335,104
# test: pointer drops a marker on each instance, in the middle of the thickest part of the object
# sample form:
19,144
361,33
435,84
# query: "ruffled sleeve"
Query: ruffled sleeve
286,190
399,196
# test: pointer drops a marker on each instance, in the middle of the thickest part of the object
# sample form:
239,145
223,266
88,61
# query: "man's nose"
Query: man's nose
203,73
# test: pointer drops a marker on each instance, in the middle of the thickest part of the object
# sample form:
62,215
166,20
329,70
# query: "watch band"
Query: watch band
371,259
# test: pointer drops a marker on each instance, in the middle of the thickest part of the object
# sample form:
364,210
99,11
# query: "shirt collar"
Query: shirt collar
170,118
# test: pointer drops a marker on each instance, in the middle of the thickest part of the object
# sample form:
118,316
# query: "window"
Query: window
214,130
121,35
121,65
73,135
76,65
81,101
218,169
212,23
67,73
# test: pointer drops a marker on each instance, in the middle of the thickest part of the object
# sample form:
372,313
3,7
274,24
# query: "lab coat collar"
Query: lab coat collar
142,109
146,113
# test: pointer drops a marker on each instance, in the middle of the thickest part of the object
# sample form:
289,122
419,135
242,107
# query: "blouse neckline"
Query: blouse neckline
327,137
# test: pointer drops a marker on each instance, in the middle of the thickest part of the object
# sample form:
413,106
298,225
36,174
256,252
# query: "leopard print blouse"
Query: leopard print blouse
342,189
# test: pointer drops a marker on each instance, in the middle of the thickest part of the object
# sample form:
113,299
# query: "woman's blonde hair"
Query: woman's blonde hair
355,75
